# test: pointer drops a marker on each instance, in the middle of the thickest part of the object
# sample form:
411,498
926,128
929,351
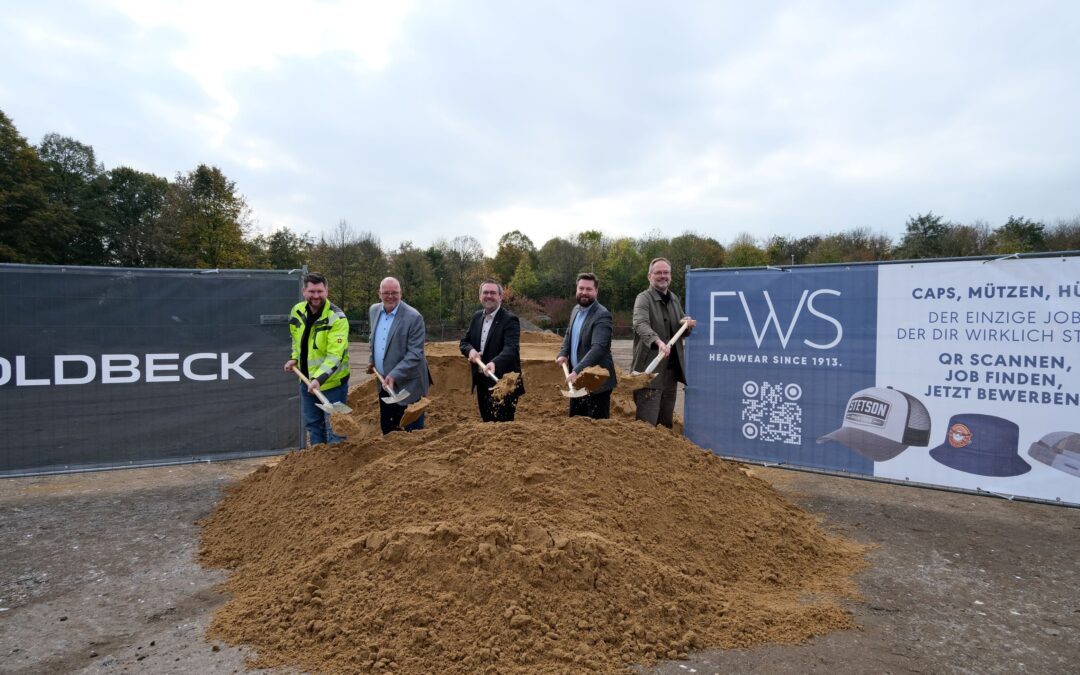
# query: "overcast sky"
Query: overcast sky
427,120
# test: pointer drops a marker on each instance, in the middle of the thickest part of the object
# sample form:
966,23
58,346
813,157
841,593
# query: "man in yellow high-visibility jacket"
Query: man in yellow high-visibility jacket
320,350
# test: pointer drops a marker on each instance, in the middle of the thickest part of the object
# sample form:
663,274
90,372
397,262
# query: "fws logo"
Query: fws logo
764,316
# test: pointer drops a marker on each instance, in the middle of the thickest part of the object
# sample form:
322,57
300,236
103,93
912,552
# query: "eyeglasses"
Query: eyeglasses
390,293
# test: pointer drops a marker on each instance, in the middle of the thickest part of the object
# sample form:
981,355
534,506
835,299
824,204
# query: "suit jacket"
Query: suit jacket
404,359
653,319
502,347
594,345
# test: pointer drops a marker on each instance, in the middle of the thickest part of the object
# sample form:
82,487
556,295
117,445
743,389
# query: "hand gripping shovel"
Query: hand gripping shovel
392,398
572,393
483,369
660,357
336,408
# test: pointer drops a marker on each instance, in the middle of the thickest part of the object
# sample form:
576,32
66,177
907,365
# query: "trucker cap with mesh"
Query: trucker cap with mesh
881,422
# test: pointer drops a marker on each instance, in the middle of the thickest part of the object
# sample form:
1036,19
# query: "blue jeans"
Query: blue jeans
317,421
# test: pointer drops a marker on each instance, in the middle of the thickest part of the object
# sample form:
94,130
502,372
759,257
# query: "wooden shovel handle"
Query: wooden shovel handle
318,392
566,371
483,368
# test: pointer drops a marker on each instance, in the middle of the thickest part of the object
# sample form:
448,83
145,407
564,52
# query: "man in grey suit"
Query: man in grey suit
588,343
397,352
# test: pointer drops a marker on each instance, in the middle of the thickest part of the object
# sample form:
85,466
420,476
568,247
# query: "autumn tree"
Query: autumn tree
1064,235
353,263
464,265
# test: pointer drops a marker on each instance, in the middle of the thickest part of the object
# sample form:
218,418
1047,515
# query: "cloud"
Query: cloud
417,121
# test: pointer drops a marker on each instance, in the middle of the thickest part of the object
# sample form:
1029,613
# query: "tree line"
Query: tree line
60,206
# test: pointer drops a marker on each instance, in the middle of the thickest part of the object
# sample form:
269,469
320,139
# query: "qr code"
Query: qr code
771,412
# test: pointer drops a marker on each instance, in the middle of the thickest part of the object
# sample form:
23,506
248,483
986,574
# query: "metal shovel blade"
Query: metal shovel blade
336,408
396,397
574,393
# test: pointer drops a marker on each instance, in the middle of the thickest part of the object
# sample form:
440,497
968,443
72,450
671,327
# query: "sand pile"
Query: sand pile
545,545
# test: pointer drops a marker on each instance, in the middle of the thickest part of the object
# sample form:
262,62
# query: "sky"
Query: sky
419,121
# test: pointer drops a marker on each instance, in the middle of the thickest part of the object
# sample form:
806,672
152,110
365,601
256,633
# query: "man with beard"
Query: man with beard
657,317
493,337
320,350
588,343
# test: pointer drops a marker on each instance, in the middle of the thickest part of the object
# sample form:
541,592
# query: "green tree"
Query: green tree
525,282
28,231
558,263
209,218
76,187
691,250
923,238
1019,235
282,249
744,252
594,247
513,246
783,251
134,232
413,269
623,274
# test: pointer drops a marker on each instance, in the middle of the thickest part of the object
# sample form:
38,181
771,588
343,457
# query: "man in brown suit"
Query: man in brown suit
657,317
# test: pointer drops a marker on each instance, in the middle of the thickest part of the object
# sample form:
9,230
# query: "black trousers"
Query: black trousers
493,410
390,415
596,406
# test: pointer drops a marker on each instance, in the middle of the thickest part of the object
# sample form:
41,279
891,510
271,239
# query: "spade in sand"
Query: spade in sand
413,412
592,378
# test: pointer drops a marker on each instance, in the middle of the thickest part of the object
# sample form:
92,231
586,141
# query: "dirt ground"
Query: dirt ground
98,575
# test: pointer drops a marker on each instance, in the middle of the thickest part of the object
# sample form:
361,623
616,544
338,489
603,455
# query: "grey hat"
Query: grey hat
1060,450
880,423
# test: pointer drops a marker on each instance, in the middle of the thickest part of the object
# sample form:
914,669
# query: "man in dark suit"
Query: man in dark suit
493,338
397,352
588,343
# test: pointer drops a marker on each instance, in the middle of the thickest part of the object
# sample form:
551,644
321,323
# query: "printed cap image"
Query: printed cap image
1060,450
881,422
983,445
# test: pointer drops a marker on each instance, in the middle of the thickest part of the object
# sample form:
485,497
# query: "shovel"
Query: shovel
336,408
483,369
392,398
660,357
413,412
573,393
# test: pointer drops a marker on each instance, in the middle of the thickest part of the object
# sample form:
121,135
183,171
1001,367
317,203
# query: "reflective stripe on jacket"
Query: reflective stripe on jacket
328,343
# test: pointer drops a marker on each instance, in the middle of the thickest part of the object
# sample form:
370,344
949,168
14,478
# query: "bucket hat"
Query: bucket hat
881,422
982,444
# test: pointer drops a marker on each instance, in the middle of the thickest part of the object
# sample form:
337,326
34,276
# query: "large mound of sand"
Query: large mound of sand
545,545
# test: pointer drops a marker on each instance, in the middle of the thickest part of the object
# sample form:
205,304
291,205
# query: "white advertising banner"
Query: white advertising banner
992,350
960,374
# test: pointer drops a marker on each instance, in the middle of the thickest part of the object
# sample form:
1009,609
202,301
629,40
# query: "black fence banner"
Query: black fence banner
104,367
